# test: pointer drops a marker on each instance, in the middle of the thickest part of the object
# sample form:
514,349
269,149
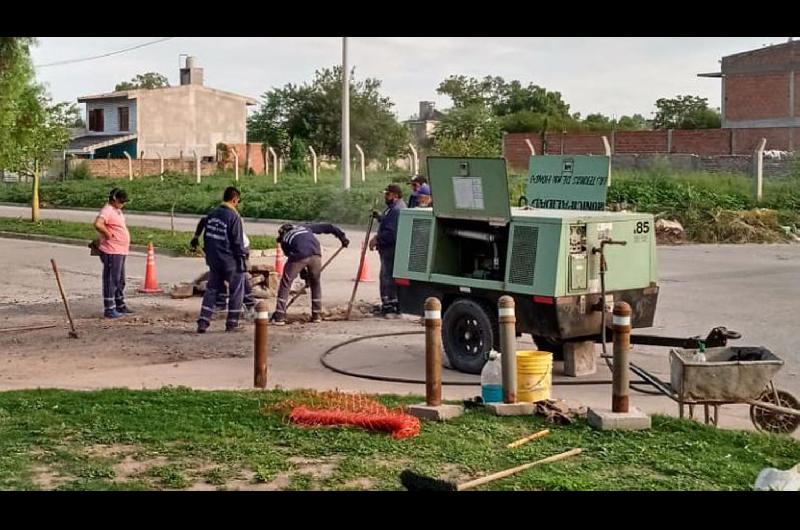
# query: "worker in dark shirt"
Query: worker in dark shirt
303,252
223,244
222,297
384,241
419,187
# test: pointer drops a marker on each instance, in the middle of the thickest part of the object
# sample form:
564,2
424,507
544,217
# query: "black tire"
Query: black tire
556,348
469,332
767,420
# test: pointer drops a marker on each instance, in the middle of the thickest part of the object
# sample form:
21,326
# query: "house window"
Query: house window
123,118
96,120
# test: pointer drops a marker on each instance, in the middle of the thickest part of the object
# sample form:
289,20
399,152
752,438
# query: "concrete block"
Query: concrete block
440,413
510,409
579,358
183,290
605,420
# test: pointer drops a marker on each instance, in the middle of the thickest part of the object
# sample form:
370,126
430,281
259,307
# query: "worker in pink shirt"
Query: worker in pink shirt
115,242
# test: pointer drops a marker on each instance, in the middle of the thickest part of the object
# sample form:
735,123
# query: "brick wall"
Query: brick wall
701,141
118,168
250,155
756,96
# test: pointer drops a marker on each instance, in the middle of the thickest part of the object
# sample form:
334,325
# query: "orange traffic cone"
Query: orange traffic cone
279,261
363,274
150,284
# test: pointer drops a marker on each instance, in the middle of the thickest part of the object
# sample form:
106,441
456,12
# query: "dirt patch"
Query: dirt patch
110,451
47,479
361,483
318,469
132,467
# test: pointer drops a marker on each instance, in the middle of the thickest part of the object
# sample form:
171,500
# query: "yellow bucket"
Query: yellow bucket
534,375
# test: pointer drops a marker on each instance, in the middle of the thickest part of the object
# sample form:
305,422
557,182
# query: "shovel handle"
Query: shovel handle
508,472
63,296
534,436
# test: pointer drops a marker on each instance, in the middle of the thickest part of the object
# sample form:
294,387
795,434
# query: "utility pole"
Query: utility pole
345,117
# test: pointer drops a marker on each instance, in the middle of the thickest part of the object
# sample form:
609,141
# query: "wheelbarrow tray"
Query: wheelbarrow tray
718,379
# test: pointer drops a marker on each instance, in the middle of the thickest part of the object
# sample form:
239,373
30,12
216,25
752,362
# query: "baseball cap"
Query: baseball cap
424,190
394,188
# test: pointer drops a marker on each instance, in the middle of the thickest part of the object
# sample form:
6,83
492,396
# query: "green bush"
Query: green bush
80,172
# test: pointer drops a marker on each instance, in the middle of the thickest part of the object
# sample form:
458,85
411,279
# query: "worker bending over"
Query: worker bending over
303,251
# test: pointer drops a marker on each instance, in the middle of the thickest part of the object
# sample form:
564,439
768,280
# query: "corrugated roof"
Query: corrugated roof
93,142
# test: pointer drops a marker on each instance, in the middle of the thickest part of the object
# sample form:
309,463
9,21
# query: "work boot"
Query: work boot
112,313
316,318
201,327
235,329
125,310
277,322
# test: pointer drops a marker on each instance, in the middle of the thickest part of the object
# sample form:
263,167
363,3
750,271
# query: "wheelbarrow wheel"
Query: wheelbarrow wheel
773,421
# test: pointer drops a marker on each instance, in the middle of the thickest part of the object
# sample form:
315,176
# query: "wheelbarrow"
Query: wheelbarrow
731,375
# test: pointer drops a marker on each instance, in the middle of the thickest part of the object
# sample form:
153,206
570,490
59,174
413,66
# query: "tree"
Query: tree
31,126
598,122
145,81
313,113
637,122
297,156
685,112
468,131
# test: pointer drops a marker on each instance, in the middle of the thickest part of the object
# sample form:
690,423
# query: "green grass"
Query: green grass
694,199
181,437
162,239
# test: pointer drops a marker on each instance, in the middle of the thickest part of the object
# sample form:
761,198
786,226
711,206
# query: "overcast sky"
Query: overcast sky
612,75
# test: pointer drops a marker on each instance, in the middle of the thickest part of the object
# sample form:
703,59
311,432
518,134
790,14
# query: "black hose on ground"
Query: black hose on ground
323,360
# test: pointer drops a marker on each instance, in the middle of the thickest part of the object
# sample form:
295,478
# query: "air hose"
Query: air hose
325,362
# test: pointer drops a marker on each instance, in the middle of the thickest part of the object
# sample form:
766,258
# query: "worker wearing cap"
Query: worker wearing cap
303,252
419,186
223,244
424,199
113,247
384,241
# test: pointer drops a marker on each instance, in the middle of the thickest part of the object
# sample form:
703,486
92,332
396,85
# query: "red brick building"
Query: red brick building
759,93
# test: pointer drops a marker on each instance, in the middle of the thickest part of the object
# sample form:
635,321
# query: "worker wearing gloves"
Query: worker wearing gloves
223,243
222,297
384,241
303,251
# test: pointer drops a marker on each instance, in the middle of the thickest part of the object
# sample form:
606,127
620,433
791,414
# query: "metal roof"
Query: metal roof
93,142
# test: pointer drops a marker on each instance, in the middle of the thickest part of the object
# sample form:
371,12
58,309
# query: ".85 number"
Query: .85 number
642,227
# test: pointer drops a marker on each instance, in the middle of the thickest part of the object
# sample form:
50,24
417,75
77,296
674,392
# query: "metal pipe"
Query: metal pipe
274,165
416,159
260,344
620,389
508,347
433,352
313,162
758,168
361,156
196,165
236,164
472,234
530,146
345,117
130,165
161,173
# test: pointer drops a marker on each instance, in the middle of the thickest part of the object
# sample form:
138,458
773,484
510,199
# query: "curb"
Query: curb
186,215
83,243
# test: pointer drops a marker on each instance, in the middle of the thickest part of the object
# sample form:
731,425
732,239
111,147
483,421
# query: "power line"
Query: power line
70,61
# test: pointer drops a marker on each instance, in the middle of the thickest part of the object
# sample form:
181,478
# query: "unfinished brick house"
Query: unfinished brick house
759,94
172,122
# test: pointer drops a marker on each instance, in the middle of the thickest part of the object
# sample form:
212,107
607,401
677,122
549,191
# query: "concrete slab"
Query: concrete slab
605,420
510,409
579,358
435,413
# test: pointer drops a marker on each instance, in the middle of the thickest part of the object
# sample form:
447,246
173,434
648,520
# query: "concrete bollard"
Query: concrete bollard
508,347
260,344
433,409
433,352
621,326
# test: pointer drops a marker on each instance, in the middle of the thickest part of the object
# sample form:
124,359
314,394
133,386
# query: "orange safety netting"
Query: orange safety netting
356,410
